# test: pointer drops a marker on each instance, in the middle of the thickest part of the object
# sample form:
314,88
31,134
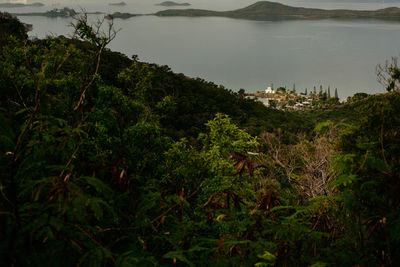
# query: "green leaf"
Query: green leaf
97,205
179,256
92,258
344,180
319,264
98,185
323,126
268,257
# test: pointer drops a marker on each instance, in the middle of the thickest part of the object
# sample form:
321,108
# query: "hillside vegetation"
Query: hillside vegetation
109,161
268,11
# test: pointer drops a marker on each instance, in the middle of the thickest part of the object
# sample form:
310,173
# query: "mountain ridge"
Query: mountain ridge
266,11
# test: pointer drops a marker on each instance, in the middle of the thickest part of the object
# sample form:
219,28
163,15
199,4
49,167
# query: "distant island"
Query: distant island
69,12
269,11
56,12
117,4
11,5
119,15
171,3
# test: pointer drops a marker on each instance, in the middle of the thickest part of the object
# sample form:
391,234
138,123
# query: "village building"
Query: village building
269,90
283,99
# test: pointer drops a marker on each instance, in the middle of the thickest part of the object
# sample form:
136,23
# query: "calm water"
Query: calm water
250,54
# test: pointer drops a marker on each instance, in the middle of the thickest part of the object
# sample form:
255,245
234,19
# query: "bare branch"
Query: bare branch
389,74
96,36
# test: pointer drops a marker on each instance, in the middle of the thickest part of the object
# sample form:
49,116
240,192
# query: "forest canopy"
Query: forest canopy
107,160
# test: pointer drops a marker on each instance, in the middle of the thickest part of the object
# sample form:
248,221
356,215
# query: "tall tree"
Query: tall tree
329,92
336,94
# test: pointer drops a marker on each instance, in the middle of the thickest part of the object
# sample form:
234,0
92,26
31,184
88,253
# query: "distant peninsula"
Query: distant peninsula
171,3
69,12
11,5
56,12
117,4
270,11
119,15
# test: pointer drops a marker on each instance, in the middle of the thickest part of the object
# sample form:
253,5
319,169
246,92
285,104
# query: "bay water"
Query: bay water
248,54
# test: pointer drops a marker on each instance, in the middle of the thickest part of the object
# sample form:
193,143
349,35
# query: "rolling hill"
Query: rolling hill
267,11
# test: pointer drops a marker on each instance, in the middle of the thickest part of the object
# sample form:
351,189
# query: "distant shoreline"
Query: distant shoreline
260,11
117,4
171,3
271,11
116,15
13,5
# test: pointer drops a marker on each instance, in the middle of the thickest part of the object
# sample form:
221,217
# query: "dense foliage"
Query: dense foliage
111,161
10,25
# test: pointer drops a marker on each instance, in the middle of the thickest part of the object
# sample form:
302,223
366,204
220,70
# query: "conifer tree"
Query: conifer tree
305,92
329,92
315,91
336,94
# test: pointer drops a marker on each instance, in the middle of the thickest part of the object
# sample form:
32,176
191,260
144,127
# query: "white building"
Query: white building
269,90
